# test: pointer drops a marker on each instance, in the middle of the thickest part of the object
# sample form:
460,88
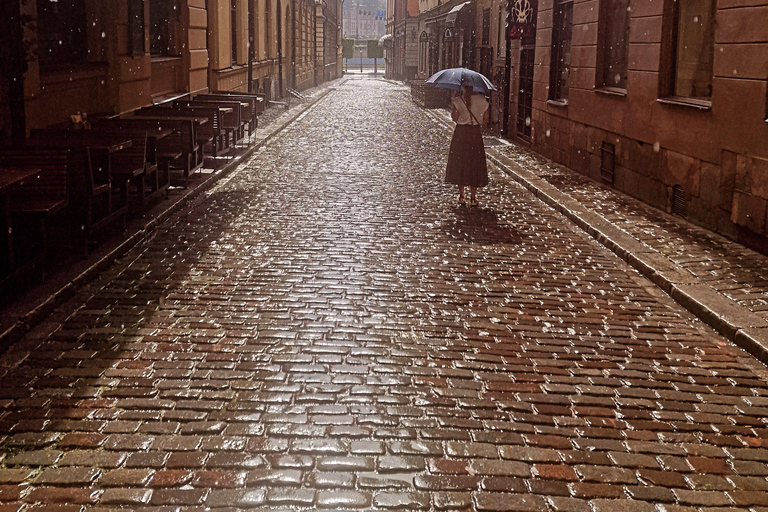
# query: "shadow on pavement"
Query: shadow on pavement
480,226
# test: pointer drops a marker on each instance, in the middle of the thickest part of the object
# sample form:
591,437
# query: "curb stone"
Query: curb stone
746,329
736,323
37,312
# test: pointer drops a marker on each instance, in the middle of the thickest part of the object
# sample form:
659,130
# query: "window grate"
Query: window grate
607,162
679,203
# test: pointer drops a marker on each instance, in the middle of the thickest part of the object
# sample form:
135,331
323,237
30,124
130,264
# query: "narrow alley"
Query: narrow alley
327,329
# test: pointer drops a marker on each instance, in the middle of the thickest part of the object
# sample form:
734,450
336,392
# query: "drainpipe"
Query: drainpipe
506,85
279,47
293,46
314,42
251,42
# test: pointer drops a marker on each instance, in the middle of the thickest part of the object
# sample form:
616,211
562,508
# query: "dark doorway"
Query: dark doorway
525,95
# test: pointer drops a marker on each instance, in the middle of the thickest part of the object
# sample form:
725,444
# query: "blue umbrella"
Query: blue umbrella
456,78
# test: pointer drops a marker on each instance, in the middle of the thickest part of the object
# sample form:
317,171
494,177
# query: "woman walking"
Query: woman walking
466,158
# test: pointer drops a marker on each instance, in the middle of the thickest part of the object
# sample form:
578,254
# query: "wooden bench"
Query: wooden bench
41,197
261,99
139,164
179,152
208,134
231,120
248,107
98,198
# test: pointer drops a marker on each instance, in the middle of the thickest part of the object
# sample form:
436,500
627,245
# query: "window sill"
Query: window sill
159,59
611,91
686,102
558,103
70,73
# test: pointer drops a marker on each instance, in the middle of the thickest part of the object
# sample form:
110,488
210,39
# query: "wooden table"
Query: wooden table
9,179
94,152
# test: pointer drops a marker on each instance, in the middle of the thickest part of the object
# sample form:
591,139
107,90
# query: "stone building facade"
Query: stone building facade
662,99
665,100
104,58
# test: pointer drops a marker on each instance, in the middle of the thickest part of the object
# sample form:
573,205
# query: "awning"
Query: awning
386,41
450,19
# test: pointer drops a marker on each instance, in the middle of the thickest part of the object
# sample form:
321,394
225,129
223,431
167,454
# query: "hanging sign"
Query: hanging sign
522,23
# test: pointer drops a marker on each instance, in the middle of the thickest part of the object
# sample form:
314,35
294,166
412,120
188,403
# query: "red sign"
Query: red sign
522,24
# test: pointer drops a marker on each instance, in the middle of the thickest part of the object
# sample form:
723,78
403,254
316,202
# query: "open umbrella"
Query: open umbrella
456,78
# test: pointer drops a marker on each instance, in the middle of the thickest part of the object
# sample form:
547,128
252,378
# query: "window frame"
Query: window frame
603,77
669,55
560,36
233,30
137,26
75,52
486,28
423,52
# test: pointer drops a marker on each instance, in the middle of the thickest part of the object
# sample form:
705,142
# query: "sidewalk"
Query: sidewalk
721,282
26,311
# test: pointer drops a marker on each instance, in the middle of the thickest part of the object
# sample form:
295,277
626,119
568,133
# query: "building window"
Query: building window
136,43
233,28
561,50
613,55
501,42
164,27
486,27
423,47
688,48
62,33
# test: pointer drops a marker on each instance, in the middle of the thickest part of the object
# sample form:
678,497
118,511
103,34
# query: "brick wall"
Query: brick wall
717,152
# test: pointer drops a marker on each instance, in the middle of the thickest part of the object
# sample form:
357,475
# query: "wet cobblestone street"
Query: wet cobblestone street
327,329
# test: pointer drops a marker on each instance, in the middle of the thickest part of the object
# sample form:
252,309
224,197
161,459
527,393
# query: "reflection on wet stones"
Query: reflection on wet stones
479,225
327,329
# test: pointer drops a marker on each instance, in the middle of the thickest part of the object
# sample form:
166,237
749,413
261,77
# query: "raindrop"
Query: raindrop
547,133
103,35
656,147
527,121
617,78
695,19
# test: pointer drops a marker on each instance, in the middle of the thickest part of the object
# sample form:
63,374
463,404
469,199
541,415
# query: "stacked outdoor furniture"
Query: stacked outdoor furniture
209,136
99,196
75,181
37,192
180,152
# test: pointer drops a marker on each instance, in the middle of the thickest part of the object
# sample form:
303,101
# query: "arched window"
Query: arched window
423,47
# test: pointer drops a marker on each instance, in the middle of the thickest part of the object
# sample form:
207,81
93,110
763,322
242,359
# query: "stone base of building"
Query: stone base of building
724,197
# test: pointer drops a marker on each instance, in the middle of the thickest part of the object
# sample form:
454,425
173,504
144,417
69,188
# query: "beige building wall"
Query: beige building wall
198,45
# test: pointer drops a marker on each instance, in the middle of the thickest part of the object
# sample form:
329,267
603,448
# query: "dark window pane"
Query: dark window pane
163,23
486,27
233,12
561,50
615,43
136,43
62,32
695,48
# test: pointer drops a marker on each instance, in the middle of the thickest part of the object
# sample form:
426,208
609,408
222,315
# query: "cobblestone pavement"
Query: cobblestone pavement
328,330
738,273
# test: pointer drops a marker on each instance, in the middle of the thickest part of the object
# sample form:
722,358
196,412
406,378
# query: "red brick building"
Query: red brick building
663,99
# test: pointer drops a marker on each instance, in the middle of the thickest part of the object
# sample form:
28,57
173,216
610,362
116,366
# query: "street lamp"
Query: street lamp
361,60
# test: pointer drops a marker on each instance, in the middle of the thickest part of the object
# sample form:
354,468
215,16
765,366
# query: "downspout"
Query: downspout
279,47
293,46
507,86
251,42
